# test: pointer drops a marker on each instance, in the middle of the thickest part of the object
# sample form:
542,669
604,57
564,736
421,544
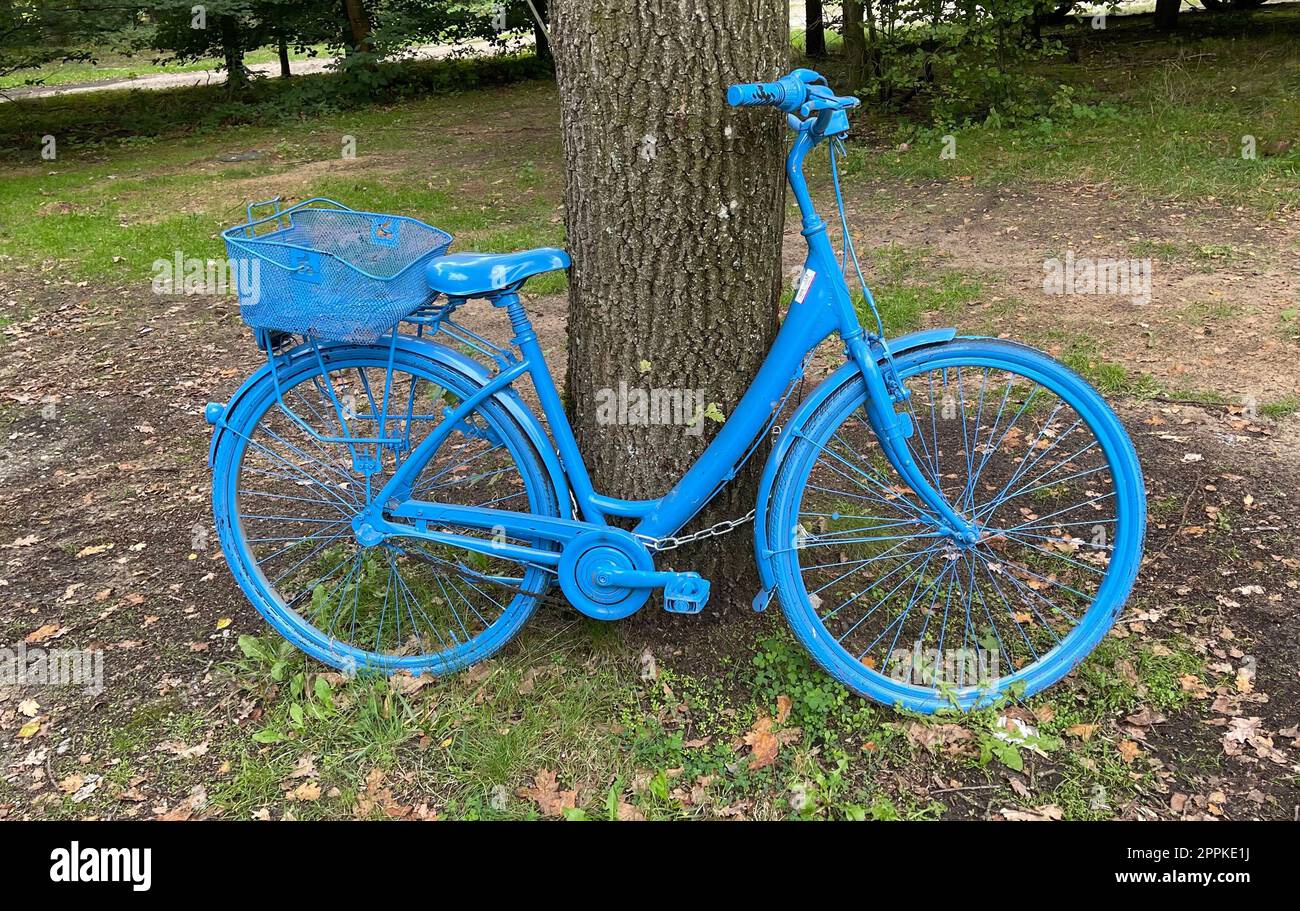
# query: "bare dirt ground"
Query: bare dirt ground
1221,315
105,538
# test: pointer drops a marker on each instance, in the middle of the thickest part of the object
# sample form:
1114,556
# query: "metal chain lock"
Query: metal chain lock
674,541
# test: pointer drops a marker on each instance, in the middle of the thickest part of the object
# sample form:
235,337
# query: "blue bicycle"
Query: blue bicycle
945,520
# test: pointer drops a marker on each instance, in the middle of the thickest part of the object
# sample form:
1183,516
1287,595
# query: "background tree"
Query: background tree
358,18
227,29
1166,17
36,32
673,206
814,29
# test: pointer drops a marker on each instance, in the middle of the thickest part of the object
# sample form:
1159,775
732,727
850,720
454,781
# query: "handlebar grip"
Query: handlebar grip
753,94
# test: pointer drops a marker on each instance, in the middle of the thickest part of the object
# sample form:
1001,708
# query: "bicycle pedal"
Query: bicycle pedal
686,593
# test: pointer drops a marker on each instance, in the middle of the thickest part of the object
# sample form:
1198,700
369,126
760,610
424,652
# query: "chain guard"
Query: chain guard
592,552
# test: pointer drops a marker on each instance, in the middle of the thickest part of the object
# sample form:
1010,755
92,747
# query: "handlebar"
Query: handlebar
753,94
805,97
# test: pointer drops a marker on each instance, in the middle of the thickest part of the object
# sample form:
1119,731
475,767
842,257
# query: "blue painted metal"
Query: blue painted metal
795,427
1046,667
236,431
604,572
472,370
321,269
607,572
483,274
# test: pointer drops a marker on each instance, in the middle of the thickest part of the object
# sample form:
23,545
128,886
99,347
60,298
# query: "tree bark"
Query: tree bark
358,25
540,42
814,29
232,49
855,43
282,47
1166,18
674,210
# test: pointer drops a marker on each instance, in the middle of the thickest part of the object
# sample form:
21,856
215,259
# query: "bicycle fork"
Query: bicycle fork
893,429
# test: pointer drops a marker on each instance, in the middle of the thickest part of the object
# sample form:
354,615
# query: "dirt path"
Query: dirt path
1223,282
157,81
106,540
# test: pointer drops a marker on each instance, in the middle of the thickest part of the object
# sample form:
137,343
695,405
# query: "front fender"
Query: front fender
789,434
472,370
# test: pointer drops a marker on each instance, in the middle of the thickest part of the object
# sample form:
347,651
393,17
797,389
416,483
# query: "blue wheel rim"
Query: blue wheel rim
474,640
1048,665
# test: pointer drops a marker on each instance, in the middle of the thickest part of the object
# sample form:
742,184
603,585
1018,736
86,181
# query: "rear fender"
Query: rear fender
473,372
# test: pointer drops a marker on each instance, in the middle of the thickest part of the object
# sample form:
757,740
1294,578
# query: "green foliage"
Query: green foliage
113,117
36,32
963,63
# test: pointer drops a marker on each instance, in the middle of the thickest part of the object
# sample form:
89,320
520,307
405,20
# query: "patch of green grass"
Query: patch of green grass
1282,408
907,286
108,217
1198,312
1140,123
107,65
1084,356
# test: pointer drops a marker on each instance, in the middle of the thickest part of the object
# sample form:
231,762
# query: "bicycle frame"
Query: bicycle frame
821,306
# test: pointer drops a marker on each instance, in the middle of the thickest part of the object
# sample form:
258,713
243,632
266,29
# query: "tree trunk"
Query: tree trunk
358,25
855,44
283,48
674,209
540,41
815,29
1167,14
232,49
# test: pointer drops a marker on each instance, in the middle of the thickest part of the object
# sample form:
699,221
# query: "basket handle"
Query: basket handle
306,266
262,205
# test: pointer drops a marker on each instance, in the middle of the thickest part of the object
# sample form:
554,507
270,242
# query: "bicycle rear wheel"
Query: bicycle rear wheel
901,613
284,502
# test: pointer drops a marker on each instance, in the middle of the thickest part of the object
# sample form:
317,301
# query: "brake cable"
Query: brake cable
850,254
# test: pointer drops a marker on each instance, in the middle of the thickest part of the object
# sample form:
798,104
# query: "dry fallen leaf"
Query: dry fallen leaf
546,793
46,632
1128,750
931,736
308,791
783,706
762,743
1146,718
629,813
1039,814
181,751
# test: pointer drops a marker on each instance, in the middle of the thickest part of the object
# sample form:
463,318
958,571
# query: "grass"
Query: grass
1151,118
567,697
652,743
110,66
106,215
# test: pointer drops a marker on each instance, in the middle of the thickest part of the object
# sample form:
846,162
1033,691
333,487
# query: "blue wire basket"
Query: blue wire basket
322,270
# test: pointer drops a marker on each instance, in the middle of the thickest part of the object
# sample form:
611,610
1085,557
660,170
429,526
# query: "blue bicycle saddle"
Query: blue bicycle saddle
482,274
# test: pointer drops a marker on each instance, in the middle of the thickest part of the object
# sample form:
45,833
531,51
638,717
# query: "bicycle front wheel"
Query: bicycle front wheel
900,612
